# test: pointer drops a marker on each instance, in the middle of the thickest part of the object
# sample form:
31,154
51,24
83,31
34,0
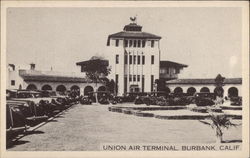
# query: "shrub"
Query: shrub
200,101
138,100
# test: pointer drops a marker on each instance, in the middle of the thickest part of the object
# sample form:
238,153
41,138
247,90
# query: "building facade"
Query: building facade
134,57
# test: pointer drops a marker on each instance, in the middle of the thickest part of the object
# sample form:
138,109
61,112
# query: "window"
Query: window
177,70
134,59
125,84
117,43
126,59
116,82
134,77
152,59
139,43
143,60
152,43
168,70
13,82
142,83
135,42
130,43
130,77
152,83
130,59
126,43
138,78
117,59
138,59
143,43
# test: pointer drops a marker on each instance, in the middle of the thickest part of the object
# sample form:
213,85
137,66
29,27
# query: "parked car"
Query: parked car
204,99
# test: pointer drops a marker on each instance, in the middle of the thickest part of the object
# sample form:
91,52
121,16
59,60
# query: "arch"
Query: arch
178,90
88,89
46,87
31,87
191,91
233,92
205,90
167,90
61,88
101,88
75,89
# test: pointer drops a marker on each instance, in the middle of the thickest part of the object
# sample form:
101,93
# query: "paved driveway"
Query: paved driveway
85,127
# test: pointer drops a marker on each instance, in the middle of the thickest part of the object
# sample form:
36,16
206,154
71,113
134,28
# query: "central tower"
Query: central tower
134,59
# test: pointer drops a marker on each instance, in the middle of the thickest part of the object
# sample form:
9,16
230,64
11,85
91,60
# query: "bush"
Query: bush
138,100
200,101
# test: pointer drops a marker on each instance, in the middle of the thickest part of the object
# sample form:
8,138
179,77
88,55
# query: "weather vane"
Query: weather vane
134,19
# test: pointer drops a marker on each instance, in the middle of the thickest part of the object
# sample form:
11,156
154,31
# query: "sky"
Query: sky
208,40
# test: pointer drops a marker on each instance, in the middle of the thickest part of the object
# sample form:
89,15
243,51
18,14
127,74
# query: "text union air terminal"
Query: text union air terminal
135,61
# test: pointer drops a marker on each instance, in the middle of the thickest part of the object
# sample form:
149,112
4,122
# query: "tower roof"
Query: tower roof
133,30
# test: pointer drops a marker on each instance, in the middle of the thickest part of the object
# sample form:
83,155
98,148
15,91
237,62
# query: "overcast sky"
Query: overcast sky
208,40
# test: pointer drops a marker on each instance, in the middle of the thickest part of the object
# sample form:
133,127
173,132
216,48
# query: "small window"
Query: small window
13,82
117,59
130,59
134,77
143,43
130,77
134,59
143,60
138,78
135,42
138,59
152,59
177,70
139,43
130,43
126,43
108,42
126,59
117,42
152,43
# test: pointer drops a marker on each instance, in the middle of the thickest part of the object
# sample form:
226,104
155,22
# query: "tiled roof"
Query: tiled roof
166,63
204,81
133,34
50,76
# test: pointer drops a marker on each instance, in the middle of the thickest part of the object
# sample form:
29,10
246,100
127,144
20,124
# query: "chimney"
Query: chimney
32,66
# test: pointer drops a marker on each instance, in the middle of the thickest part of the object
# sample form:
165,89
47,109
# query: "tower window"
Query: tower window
138,78
126,59
117,59
13,82
134,77
135,42
117,42
139,43
152,59
143,60
152,43
130,77
143,43
130,43
126,43
152,83
130,59
138,59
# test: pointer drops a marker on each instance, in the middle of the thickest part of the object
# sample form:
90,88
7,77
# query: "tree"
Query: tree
219,83
219,122
111,85
161,85
96,69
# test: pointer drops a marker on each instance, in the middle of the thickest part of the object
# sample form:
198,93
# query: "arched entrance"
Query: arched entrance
233,92
31,87
168,90
205,90
75,89
178,90
47,87
88,90
191,91
61,89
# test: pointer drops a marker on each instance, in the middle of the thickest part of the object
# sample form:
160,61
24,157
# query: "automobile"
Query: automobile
204,99
15,120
